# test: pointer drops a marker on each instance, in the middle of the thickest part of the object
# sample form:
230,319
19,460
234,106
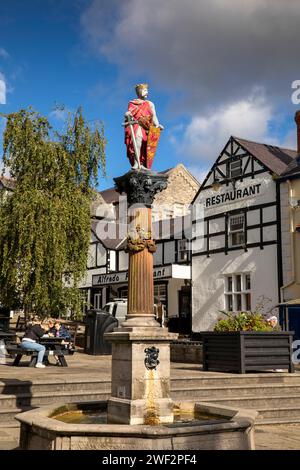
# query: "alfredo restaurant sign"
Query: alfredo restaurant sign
114,278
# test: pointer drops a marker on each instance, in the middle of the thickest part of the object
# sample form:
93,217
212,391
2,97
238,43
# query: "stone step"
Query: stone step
44,398
268,402
236,391
14,386
237,379
285,412
7,416
276,421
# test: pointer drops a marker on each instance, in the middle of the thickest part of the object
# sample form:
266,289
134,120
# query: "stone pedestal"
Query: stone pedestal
140,347
140,395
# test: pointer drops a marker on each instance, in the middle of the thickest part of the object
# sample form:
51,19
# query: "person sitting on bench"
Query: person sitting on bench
30,340
58,330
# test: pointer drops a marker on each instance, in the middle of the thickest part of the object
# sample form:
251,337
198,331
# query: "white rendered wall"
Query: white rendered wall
208,281
123,261
286,236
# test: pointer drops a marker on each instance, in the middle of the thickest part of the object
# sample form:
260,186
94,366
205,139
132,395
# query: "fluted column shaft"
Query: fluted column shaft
140,275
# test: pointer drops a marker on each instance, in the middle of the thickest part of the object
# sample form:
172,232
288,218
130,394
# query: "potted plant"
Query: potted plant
245,342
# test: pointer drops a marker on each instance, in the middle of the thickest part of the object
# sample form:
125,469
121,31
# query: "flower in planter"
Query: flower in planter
245,321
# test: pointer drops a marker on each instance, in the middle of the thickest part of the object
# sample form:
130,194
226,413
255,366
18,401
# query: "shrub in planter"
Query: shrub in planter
243,321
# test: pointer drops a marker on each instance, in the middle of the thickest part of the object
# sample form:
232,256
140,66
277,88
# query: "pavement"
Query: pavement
281,437
272,437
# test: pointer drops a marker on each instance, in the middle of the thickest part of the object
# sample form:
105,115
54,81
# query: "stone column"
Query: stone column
140,247
140,346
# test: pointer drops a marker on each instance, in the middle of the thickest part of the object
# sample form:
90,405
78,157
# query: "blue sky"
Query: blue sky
214,68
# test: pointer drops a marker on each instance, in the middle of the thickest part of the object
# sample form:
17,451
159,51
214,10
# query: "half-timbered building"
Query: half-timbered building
237,260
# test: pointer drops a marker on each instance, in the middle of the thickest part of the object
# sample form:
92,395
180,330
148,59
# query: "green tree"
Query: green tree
45,223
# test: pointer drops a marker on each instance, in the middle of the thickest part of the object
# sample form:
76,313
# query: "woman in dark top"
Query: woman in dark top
30,340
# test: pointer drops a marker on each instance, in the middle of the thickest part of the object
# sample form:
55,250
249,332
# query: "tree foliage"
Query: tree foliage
45,224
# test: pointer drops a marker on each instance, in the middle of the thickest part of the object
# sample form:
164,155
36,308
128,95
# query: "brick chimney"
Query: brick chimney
297,120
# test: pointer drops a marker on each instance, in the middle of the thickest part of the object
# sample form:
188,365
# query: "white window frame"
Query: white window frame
231,231
235,292
236,164
183,251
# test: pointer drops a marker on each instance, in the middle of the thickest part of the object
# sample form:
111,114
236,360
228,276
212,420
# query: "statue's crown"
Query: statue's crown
141,85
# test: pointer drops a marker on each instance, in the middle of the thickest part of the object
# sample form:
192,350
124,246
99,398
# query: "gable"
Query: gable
182,188
232,152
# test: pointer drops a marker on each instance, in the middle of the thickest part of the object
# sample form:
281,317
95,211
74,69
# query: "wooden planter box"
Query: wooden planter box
245,351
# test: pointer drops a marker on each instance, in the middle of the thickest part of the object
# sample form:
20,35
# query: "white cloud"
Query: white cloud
230,63
213,51
2,89
3,53
60,113
206,134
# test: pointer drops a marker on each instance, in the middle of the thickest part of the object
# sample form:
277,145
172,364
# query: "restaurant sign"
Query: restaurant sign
114,278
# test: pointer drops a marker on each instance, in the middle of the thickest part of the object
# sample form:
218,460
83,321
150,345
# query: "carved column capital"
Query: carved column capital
141,186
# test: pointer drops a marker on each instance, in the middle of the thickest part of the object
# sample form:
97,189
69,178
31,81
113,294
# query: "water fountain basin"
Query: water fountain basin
223,428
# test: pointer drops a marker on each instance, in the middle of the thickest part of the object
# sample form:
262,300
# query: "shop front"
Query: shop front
172,293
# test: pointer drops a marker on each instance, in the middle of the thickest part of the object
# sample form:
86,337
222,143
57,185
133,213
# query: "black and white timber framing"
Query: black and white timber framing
236,259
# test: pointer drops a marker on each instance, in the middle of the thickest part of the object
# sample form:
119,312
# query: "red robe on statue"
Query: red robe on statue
138,109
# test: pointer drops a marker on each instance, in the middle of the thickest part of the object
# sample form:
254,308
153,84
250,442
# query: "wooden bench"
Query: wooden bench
19,352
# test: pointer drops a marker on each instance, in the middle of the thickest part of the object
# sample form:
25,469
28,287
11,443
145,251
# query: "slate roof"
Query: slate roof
277,159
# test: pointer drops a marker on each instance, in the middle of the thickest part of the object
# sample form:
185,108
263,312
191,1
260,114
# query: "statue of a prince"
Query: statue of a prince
142,130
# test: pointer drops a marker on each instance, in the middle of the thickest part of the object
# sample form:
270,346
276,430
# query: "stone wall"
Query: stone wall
181,190
187,352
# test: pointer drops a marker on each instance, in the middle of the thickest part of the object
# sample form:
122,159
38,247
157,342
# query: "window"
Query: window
183,253
238,280
235,169
247,282
123,292
237,292
237,230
